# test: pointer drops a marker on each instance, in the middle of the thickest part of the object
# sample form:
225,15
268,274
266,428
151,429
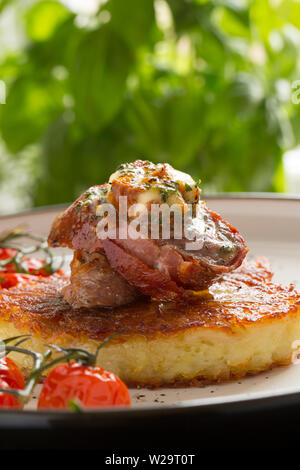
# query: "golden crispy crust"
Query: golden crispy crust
244,297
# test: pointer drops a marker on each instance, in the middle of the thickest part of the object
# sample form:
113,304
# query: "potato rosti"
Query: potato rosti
246,324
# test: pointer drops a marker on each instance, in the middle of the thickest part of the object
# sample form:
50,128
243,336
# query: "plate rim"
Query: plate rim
35,417
228,195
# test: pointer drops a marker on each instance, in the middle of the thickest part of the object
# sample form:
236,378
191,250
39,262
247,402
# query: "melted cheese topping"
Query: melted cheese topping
156,183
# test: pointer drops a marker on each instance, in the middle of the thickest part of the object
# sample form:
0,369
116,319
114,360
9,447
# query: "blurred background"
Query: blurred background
213,87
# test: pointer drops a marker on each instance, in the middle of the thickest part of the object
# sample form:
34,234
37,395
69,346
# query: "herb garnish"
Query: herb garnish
22,251
226,249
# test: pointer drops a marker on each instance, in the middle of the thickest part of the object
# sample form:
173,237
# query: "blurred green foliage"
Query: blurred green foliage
204,85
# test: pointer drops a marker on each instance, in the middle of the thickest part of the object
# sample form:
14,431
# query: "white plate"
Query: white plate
271,227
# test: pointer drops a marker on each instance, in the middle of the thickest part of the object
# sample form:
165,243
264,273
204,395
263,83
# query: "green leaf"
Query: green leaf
119,92
240,11
98,77
133,19
210,47
30,106
265,18
295,14
45,55
43,19
9,68
231,23
56,157
190,15
4,4
63,152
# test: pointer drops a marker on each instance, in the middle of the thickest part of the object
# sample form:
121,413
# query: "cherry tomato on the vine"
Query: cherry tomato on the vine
7,400
11,373
6,253
33,266
8,280
94,387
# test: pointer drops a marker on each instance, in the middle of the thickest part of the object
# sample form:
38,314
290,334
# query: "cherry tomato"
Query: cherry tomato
32,265
35,266
11,373
8,280
94,387
7,400
6,253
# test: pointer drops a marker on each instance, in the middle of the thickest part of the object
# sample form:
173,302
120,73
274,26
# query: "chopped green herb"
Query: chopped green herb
78,207
95,217
166,192
187,187
164,196
226,248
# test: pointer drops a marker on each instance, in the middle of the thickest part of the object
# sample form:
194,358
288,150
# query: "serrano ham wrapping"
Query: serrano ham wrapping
165,268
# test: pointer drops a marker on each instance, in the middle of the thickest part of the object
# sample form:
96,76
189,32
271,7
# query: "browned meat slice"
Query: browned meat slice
95,283
165,270
75,228
147,280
